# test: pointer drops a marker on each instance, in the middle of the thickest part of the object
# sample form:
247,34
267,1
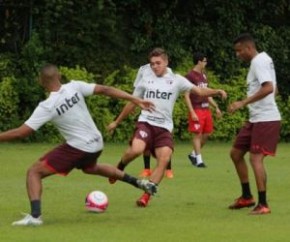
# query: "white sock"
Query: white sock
198,159
193,153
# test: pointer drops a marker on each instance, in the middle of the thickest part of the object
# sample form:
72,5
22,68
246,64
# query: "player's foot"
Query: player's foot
260,209
192,159
28,220
169,173
145,173
147,186
143,200
242,203
200,165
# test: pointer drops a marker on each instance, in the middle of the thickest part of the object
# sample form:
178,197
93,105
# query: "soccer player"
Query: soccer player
154,129
143,71
260,135
65,107
200,121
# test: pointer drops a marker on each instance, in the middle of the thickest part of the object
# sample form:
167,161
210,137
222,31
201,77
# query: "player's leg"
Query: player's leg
240,147
162,154
246,199
146,172
109,171
49,164
197,144
257,162
261,147
136,148
169,171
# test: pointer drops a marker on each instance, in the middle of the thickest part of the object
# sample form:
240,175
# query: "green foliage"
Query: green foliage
8,103
284,106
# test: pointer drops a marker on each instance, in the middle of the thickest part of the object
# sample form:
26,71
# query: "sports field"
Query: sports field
190,207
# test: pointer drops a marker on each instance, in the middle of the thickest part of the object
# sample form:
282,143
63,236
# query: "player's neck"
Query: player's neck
198,69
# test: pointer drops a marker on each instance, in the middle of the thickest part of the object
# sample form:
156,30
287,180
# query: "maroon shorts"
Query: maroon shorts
204,124
261,137
64,158
153,136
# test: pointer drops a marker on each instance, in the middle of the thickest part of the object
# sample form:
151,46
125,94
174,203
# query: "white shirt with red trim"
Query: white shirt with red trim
67,110
163,92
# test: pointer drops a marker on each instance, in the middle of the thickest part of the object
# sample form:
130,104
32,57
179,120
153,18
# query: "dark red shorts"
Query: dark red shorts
204,124
153,136
261,137
64,158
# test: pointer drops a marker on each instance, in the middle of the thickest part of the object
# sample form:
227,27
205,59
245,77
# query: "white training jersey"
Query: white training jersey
143,71
67,110
163,92
262,70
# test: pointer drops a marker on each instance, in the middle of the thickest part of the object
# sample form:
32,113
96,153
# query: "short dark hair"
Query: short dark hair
243,38
158,52
198,56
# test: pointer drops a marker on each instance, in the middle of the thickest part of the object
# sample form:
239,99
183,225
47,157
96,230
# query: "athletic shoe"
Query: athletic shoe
260,209
147,186
200,165
28,220
169,173
145,173
143,200
242,203
192,159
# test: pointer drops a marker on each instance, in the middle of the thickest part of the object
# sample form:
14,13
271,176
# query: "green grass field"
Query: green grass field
190,207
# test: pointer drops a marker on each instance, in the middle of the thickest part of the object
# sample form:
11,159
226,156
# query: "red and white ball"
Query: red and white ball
97,201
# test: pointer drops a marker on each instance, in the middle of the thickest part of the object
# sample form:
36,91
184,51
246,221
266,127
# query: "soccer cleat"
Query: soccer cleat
147,186
200,165
242,203
28,220
260,209
192,159
145,173
169,174
143,200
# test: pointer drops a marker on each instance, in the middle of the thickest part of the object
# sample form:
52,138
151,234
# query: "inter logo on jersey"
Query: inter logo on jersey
156,94
69,103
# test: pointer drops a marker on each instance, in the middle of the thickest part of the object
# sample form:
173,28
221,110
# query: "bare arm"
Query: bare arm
117,93
189,106
128,108
266,89
208,92
216,107
17,133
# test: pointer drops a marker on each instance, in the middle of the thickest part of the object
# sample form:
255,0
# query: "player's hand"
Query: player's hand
235,106
146,105
111,127
194,117
223,94
218,113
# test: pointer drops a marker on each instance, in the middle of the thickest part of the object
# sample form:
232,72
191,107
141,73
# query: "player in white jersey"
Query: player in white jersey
153,129
66,109
260,135
144,71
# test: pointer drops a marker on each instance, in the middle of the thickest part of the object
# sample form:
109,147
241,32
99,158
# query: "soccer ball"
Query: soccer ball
97,201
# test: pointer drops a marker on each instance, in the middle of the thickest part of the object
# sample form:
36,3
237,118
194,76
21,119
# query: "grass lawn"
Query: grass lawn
190,207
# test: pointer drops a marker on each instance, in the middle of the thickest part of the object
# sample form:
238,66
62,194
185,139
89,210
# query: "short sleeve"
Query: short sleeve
39,117
86,89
